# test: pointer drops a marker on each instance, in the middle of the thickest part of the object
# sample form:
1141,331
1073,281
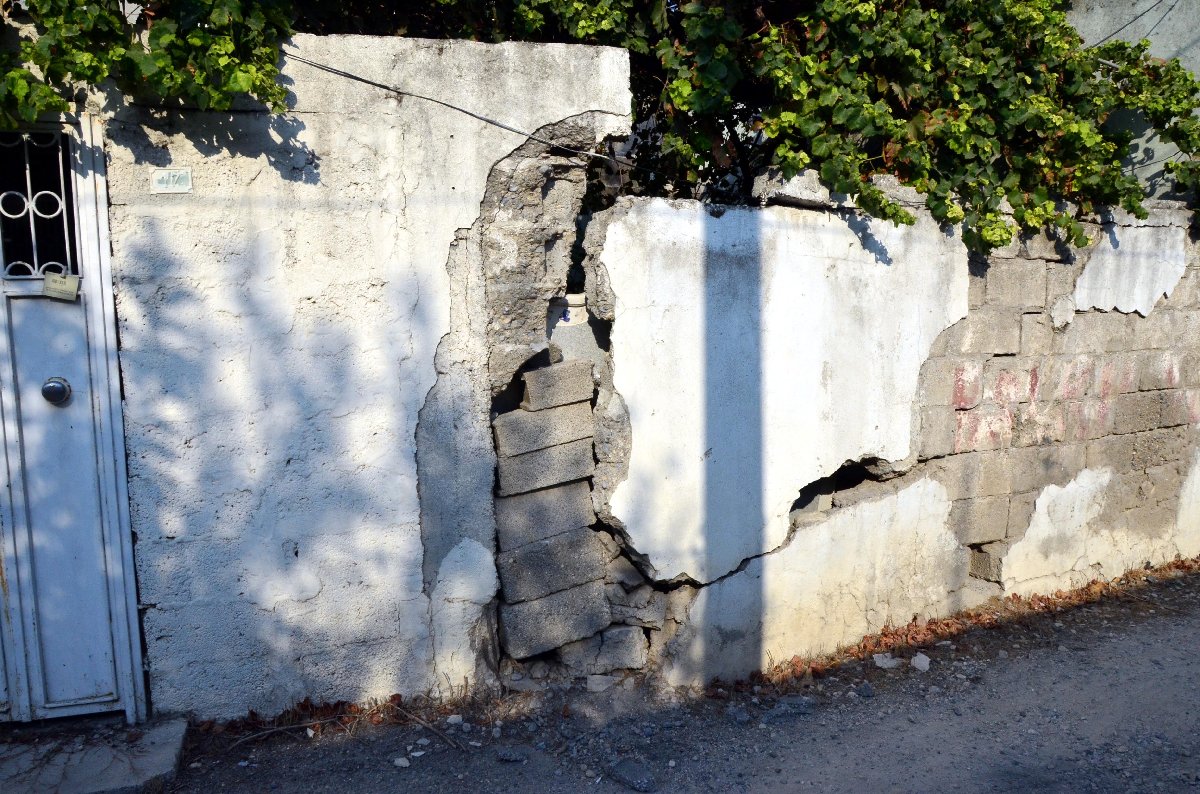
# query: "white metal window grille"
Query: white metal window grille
37,205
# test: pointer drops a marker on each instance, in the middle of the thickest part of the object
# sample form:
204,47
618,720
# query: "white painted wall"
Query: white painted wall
1130,268
278,329
872,564
757,352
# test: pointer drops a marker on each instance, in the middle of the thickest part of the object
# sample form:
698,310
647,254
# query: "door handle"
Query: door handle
56,391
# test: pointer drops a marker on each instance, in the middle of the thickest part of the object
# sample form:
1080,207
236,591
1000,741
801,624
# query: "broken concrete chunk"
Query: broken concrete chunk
546,467
615,648
621,571
523,431
642,606
542,514
558,384
534,627
548,566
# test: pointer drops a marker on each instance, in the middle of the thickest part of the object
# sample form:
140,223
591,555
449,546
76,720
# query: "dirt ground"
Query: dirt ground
1099,697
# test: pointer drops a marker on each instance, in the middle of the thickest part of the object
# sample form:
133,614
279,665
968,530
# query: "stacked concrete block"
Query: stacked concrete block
552,565
1026,392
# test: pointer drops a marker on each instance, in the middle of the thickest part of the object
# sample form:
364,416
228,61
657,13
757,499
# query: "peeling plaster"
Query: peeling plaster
466,584
1131,268
757,350
869,565
1072,539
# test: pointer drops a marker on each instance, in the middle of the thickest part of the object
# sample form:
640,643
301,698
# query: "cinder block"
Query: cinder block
1182,407
1037,335
980,520
987,562
1038,423
938,426
1159,447
1033,468
1019,283
533,627
1008,380
558,384
985,427
1160,369
615,648
1114,452
521,431
1065,378
1089,419
990,331
1042,245
551,565
1119,373
1138,412
1020,513
944,379
1094,332
976,474
542,514
546,467
1161,330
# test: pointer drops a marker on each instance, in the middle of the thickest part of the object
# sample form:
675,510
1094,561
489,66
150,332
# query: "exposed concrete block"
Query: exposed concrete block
938,427
1020,510
1037,335
1159,330
1010,380
558,384
538,515
522,431
1157,447
1094,332
1138,412
976,474
1017,282
987,562
534,627
985,427
1038,423
1160,369
1182,407
951,381
1060,280
1037,467
1065,378
1089,419
991,331
548,566
1113,452
1042,245
980,520
615,648
546,467
1117,374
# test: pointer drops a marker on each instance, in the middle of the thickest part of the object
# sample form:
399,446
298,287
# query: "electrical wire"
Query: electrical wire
400,92
1155,5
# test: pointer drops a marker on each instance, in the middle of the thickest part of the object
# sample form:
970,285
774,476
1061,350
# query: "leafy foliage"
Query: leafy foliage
992,108
205,52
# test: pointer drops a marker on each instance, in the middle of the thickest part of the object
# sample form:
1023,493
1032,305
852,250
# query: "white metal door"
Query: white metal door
68,629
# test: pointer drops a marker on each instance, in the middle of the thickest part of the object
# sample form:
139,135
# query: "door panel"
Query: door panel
69,613
69,639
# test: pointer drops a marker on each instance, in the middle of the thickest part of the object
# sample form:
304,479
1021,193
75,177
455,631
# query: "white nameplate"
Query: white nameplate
172,180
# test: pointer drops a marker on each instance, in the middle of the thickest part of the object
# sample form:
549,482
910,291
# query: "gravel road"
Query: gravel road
1102,697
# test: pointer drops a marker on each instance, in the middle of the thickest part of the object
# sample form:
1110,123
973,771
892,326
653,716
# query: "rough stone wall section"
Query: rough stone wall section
305,366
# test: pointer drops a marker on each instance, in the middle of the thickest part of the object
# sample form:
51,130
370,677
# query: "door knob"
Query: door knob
56,391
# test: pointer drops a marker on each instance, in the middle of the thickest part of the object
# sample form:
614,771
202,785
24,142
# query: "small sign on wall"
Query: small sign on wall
63,288
171,180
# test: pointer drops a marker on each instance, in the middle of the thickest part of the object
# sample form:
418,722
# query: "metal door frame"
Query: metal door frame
98,304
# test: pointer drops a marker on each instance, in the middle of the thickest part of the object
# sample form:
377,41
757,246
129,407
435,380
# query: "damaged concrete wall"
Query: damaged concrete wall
811,425
305,367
